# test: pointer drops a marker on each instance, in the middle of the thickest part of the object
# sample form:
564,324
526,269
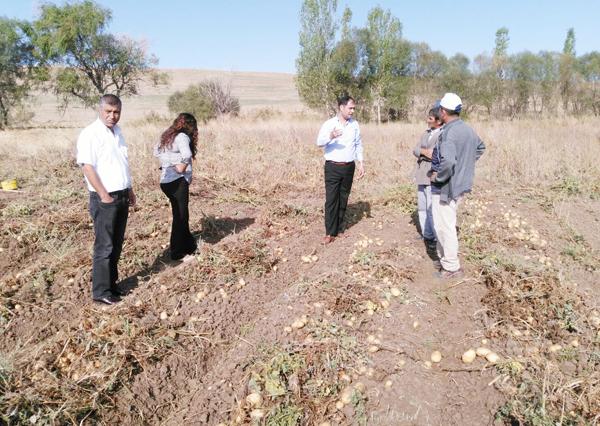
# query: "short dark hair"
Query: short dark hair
450,111
344,99
435,113
110,100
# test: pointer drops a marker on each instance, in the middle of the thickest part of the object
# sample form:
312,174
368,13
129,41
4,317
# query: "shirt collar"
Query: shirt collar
349,121
102,126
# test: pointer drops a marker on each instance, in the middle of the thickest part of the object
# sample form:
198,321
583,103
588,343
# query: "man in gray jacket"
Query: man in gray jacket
453,168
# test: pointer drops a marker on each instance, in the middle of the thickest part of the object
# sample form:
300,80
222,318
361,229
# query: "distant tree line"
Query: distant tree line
392,76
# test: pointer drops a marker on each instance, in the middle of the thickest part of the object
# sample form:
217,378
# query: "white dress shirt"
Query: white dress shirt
106,152
345,148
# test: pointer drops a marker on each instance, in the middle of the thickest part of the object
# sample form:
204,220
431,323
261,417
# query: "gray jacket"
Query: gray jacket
427,141
459,148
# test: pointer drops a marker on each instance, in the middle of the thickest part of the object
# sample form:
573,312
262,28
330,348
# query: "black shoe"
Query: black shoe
107,300
118,292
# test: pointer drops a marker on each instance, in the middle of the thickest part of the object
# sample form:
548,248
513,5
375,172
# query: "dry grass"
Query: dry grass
277,157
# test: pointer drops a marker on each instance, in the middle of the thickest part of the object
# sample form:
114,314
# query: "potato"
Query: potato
257,414
554,348
254,399
436,356
483,352
346,395
492,357
469,356
360,386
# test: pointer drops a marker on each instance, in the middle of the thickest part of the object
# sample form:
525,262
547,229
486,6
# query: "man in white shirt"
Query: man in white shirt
340,137
102,155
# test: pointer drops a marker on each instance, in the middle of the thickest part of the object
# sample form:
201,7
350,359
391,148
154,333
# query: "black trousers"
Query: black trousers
182,240
110,221
338,183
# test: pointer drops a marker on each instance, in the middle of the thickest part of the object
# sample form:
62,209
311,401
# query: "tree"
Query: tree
567,69
549,79
205,100
18,67
384,60
90,62
521,74
317,40
194,101
500,58
458,79
224,103
589,66
426,63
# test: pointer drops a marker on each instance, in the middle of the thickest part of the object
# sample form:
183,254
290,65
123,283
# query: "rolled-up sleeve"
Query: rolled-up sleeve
85,150
183,143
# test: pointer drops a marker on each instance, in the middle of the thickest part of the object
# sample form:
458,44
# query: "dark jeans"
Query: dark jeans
110,221
338,183
182,240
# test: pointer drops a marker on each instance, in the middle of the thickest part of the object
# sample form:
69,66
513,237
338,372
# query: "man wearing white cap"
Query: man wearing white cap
453,168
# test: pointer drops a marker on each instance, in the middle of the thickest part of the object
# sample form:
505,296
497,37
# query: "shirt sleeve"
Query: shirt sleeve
324,134
85,150
358,145
183,143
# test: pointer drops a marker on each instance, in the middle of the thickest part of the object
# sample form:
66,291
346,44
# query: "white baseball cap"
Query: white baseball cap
451,102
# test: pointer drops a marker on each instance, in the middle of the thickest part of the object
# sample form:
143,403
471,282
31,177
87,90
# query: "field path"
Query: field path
208,383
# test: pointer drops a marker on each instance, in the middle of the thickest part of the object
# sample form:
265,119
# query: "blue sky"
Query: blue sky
262,35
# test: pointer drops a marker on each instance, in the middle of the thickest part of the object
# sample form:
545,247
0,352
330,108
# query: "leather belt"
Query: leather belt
340,163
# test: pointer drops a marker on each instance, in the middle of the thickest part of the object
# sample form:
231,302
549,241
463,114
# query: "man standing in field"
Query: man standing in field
452,171
102,155
340,136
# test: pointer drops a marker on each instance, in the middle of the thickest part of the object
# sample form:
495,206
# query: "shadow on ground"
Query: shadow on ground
214,230
356,212
162,261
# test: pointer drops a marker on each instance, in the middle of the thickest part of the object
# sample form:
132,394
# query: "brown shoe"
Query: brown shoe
328,239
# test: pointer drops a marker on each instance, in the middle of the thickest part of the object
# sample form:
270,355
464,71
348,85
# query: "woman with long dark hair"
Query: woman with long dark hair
176,151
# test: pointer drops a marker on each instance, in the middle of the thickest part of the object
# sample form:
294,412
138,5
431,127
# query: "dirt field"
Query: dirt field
267,326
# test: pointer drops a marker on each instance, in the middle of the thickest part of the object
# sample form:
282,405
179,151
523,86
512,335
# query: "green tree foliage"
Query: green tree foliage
89,61
386,73
384,64
522,73
589,68
313,65
458,78
17,67
205,100
500,60
548,80
567,69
